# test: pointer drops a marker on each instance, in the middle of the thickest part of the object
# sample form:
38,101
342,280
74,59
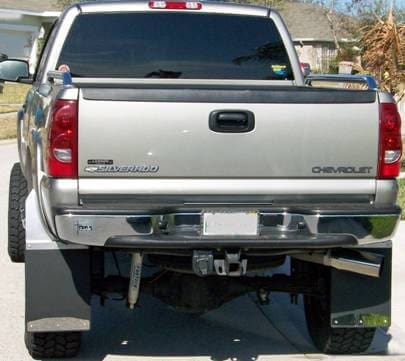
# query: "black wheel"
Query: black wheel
42,345
317,312
16,214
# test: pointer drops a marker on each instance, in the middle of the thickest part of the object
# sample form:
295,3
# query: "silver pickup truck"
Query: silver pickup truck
182,134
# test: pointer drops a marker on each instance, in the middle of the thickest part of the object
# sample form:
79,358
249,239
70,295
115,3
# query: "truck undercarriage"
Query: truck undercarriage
199,280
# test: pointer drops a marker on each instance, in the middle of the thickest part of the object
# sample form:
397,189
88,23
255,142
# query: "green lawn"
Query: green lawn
8,126
12,97
401,196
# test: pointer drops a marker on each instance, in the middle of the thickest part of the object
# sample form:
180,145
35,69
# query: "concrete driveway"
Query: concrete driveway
240,330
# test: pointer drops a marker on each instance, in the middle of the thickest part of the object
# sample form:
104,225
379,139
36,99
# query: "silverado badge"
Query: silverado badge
101,168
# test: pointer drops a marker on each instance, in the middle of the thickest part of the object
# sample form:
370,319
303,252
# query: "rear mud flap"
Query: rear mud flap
57,279
362,301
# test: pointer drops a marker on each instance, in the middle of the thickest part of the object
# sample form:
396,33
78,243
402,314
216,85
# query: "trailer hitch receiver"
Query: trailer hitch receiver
231,264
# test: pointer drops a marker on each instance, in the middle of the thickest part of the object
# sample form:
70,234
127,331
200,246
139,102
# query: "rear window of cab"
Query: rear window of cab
175,45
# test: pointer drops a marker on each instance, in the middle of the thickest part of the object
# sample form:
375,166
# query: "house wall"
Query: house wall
19,36
318,54
16,43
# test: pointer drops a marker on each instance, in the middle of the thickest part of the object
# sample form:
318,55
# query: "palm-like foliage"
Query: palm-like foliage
383,46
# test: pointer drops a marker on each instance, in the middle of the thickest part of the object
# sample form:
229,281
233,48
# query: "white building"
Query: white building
22,25
312,34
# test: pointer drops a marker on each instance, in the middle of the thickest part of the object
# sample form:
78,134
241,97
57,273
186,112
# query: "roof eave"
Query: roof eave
42,14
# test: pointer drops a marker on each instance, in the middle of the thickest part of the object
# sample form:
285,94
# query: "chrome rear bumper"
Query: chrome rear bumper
285,228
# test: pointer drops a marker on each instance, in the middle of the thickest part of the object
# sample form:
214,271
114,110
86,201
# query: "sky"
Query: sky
342,4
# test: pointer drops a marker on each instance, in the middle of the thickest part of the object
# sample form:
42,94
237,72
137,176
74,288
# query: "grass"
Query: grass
401,196
8,126
12,97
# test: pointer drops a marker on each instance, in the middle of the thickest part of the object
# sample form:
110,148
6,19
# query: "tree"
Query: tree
367,11
383,45
275,4
63,3
329,10
338,20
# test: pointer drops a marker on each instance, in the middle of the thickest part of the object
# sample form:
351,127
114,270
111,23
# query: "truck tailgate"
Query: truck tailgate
300,133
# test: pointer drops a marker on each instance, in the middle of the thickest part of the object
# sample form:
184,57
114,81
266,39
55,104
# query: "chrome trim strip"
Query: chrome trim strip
185,186
58,323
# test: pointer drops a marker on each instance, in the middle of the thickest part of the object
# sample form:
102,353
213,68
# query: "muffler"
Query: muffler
361,262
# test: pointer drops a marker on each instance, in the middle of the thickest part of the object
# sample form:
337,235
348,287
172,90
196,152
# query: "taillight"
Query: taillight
62,140
390,151
175,5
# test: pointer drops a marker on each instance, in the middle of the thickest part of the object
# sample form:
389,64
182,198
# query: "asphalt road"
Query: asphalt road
240,330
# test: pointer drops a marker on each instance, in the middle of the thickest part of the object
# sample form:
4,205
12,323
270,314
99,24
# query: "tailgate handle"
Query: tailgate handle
232,121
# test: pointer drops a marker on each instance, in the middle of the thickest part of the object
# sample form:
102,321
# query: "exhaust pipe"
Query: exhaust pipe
361,262
368,264
135,279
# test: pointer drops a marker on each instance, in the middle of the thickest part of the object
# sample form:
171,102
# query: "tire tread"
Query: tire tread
16,232
42,345
328,339
348,340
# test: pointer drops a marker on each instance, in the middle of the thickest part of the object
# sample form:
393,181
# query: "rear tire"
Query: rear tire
317,313
43,345
16,213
